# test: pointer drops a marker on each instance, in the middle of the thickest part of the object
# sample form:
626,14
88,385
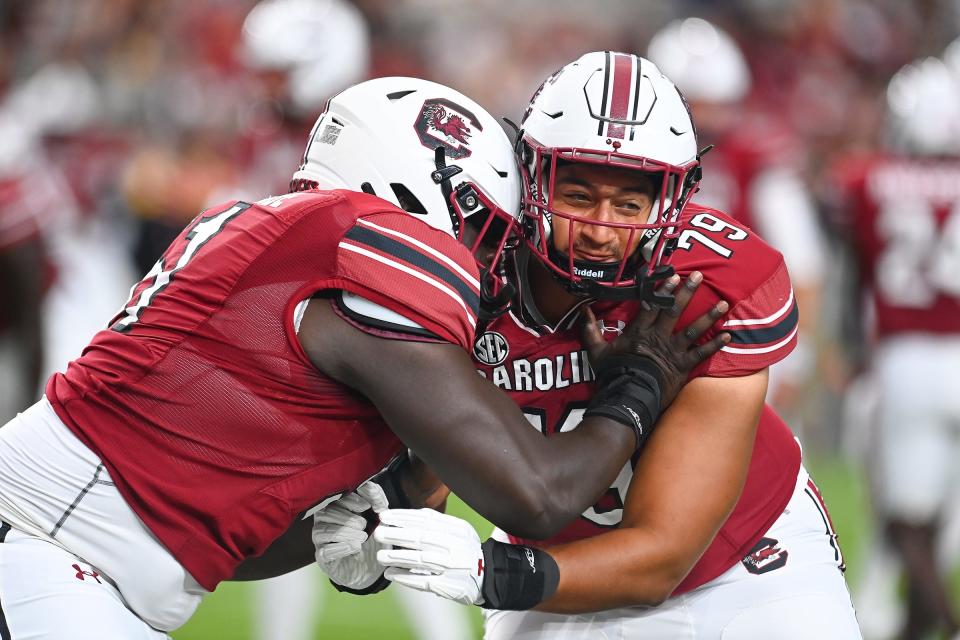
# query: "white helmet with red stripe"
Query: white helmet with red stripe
428,149
618,110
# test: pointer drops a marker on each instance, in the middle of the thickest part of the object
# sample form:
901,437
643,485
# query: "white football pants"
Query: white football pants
915,475
75,561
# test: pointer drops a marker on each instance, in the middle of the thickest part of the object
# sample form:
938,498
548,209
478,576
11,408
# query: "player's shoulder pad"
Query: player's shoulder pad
751,276
395,260
378,317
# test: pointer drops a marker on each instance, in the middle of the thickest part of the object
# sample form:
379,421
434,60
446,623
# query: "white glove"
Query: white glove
442,553
343,549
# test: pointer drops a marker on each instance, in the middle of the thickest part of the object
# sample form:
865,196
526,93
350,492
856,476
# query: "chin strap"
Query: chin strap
442,177
593,275
493,303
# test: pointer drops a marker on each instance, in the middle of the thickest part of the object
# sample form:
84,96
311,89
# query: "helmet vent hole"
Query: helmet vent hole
366,187
337,122
396,95
408,202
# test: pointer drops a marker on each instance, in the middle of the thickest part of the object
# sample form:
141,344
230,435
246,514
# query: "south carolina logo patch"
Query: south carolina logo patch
765,556
447,124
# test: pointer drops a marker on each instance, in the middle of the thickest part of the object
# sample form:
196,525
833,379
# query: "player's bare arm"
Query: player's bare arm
473,436
684,486
651,334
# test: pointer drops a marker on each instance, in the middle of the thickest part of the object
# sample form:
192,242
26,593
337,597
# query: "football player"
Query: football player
900,210
715,529
34,200
282,352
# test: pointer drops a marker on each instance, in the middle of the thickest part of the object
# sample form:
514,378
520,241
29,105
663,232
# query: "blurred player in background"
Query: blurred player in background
87,239
900,210
754,174
192,440
716,528
29,199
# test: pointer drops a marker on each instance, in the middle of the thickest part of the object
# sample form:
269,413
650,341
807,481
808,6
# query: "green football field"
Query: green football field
227,614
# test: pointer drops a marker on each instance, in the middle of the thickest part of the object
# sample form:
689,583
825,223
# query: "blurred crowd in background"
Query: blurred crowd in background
121,119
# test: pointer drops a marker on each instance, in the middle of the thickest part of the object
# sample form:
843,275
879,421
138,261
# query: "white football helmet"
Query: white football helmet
703,60
322,45
431,151
618,110
923,109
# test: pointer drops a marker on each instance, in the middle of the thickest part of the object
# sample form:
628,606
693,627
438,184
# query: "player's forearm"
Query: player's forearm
527,492
422,487
624,567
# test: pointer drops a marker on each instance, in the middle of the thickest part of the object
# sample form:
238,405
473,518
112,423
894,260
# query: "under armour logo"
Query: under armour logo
479,567
81,574
617,328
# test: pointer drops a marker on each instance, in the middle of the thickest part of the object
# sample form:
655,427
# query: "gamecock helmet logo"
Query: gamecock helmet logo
444,123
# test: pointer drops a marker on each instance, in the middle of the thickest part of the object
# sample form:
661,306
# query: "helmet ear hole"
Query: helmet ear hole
408,202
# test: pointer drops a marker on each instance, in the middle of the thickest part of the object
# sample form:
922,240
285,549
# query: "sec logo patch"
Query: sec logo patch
491,348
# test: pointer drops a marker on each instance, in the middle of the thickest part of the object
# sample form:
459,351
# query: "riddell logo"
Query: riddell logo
587,273
447,124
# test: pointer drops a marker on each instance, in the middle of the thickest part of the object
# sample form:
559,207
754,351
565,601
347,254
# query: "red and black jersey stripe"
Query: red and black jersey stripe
405,254
773,333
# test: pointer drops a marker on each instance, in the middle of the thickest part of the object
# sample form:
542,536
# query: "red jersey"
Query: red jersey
214,425
548,375
903,216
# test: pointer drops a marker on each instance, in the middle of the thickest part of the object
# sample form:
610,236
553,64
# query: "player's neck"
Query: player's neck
551,299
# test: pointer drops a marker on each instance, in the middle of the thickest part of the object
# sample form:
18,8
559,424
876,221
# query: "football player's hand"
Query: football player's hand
344,549
652,335
441,554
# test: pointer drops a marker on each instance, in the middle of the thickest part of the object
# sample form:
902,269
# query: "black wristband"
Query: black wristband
613,366
379,585
628,392
389,481
517,577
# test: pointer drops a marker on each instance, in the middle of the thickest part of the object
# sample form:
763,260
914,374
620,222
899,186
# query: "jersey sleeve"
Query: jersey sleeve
763,329
426,276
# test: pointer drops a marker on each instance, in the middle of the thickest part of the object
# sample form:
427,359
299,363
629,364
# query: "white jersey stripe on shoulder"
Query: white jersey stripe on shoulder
771,318
400,267
436,254
759,350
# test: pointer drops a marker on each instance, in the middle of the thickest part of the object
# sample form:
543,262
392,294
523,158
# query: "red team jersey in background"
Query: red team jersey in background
904,217
739,159
213,423
548,375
